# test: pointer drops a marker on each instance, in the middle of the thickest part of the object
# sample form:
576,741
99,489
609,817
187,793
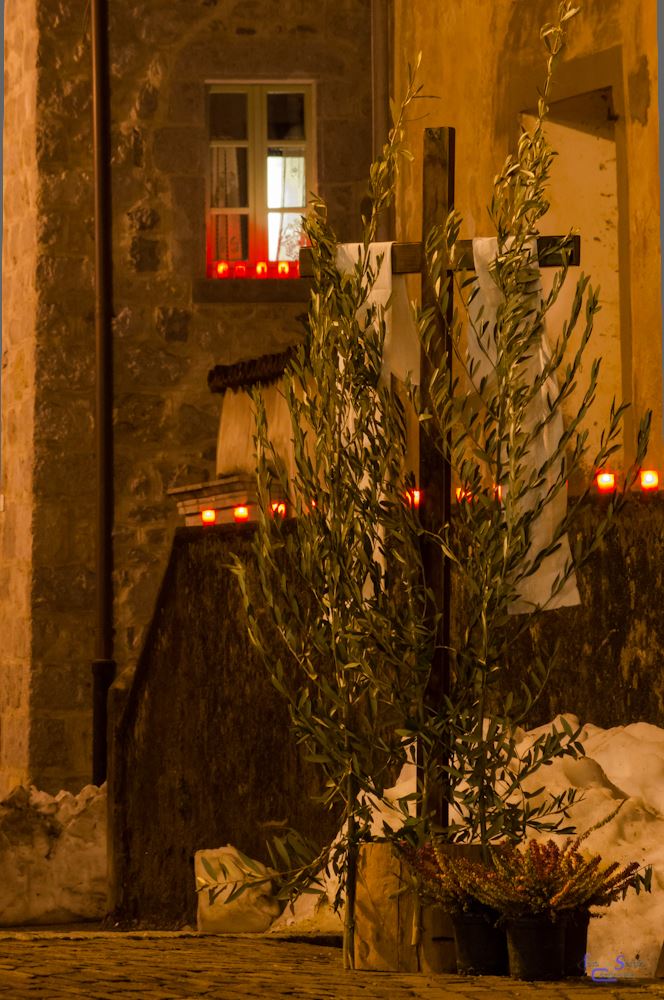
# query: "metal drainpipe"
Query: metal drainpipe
103,665
382,50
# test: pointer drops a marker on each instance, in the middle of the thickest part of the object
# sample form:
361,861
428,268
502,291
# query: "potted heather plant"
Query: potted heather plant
447,879
541,888
541,894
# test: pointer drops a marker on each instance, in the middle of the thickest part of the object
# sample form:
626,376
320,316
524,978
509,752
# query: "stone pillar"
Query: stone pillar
19,303
46,526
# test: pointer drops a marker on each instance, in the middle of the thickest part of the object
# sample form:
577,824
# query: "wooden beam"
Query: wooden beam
407,258
244,374
435,478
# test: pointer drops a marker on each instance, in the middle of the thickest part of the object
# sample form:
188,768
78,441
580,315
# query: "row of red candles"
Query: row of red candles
256,269
604,481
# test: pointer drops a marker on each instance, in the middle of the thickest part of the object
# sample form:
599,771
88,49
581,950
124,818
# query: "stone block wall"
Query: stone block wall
163,55
63,580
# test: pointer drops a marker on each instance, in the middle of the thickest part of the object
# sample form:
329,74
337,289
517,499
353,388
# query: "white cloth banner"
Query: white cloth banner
401,350
534,590
401,347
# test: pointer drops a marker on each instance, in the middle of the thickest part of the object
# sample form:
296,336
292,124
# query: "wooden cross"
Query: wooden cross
435,476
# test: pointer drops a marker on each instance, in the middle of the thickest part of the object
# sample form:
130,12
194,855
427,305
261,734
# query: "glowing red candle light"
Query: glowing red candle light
208,516
223,269
261,269
278,508
240,271
606,482
283,268
241,513
414,498
649,480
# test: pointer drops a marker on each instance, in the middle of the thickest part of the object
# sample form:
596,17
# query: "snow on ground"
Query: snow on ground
52,856
250,912
625,763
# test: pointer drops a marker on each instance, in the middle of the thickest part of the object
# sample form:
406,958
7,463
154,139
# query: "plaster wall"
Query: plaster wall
584,187
483,60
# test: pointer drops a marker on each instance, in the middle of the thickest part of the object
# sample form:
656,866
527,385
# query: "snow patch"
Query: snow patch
251,912
52,856
625,763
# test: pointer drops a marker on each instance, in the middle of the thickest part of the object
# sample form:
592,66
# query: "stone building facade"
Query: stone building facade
173,323
170,326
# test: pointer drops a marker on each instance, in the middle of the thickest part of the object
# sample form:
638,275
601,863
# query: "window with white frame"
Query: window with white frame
260,171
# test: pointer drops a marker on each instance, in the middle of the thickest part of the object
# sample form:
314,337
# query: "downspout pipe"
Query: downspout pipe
103,665
382,47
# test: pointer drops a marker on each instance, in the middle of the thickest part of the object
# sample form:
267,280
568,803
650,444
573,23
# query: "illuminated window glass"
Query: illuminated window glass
260,170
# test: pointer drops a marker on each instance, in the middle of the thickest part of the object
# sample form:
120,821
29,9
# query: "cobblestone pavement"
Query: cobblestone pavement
166,966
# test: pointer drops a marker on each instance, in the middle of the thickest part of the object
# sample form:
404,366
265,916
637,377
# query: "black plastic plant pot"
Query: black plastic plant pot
481,948
536,947
576,942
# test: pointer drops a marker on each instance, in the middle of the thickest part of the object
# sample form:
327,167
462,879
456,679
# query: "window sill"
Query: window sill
251,290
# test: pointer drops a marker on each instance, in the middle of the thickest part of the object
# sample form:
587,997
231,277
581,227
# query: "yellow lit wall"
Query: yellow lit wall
483,61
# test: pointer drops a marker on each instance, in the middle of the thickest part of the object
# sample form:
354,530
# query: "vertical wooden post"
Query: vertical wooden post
435,473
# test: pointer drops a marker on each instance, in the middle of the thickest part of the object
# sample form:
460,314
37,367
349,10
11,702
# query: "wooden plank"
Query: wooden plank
548,252
244,374
435,473
407,258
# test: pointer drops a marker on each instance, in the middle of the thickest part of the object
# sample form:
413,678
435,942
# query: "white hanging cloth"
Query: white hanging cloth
401,349
534,590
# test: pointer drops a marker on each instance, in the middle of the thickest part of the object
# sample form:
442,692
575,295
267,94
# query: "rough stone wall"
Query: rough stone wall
162,56
18,360
228,772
